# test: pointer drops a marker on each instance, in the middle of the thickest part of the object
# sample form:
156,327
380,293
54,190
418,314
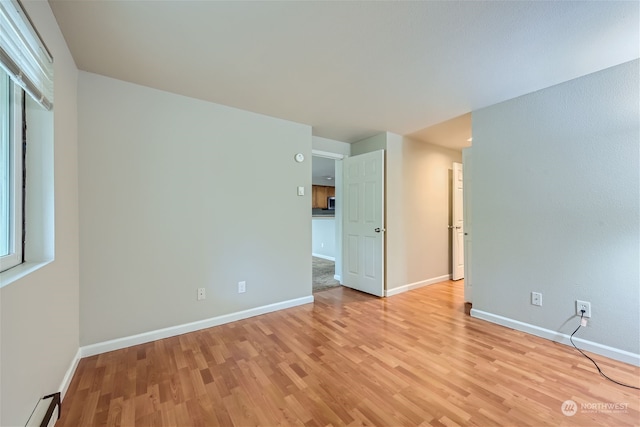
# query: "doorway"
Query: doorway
326,219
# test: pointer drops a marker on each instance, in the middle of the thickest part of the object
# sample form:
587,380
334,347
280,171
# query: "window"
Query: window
26,68
11,174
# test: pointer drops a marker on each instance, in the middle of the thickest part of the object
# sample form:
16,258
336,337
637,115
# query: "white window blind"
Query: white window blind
23,54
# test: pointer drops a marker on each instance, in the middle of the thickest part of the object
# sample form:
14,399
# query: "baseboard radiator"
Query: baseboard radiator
46,413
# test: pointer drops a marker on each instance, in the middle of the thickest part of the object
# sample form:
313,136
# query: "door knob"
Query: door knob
377,230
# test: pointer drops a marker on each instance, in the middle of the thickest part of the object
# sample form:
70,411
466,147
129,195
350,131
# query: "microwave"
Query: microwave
331,202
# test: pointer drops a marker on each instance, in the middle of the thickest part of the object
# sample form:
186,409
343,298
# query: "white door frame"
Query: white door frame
467,166
338,210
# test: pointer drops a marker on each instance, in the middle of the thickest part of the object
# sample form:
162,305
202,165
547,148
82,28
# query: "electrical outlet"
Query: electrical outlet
536,298
583,305
201,294
242,287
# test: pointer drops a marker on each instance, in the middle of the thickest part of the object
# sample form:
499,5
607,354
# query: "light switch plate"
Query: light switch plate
300,191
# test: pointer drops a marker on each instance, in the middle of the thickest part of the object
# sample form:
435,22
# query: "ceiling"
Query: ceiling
352,69
454,133
323,171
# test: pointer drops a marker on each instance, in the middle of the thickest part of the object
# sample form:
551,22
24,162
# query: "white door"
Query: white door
457,227
468,226
363,222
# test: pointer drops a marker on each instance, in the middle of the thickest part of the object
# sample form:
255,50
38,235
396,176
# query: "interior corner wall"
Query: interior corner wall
418,212
178,194
556,206
39,313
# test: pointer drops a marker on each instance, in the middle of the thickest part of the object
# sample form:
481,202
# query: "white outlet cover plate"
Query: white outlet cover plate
536,298
587,305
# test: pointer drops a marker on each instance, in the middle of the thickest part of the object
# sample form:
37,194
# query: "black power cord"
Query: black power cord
593,361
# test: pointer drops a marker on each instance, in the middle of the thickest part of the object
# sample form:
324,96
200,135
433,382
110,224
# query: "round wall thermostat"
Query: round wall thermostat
299,157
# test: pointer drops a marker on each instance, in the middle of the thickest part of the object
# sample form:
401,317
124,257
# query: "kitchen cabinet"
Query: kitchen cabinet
320,194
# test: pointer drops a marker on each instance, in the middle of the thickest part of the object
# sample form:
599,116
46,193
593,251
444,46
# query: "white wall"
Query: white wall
39,313
323,237
173,197
331,146
373,143
556,206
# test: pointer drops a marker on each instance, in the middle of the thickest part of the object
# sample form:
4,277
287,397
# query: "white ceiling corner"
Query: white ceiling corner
352,69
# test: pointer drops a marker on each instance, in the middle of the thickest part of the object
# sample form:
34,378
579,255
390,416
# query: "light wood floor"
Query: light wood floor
351,359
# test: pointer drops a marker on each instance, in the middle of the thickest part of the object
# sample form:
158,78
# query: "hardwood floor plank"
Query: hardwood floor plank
114,412
350,359
297,409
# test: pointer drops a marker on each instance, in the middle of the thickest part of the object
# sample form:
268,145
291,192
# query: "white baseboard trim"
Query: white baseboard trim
328,258
416,285
337,277
117,344
68,376
594,347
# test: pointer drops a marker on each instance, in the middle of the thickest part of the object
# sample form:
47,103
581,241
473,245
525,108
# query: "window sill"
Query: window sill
20,271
